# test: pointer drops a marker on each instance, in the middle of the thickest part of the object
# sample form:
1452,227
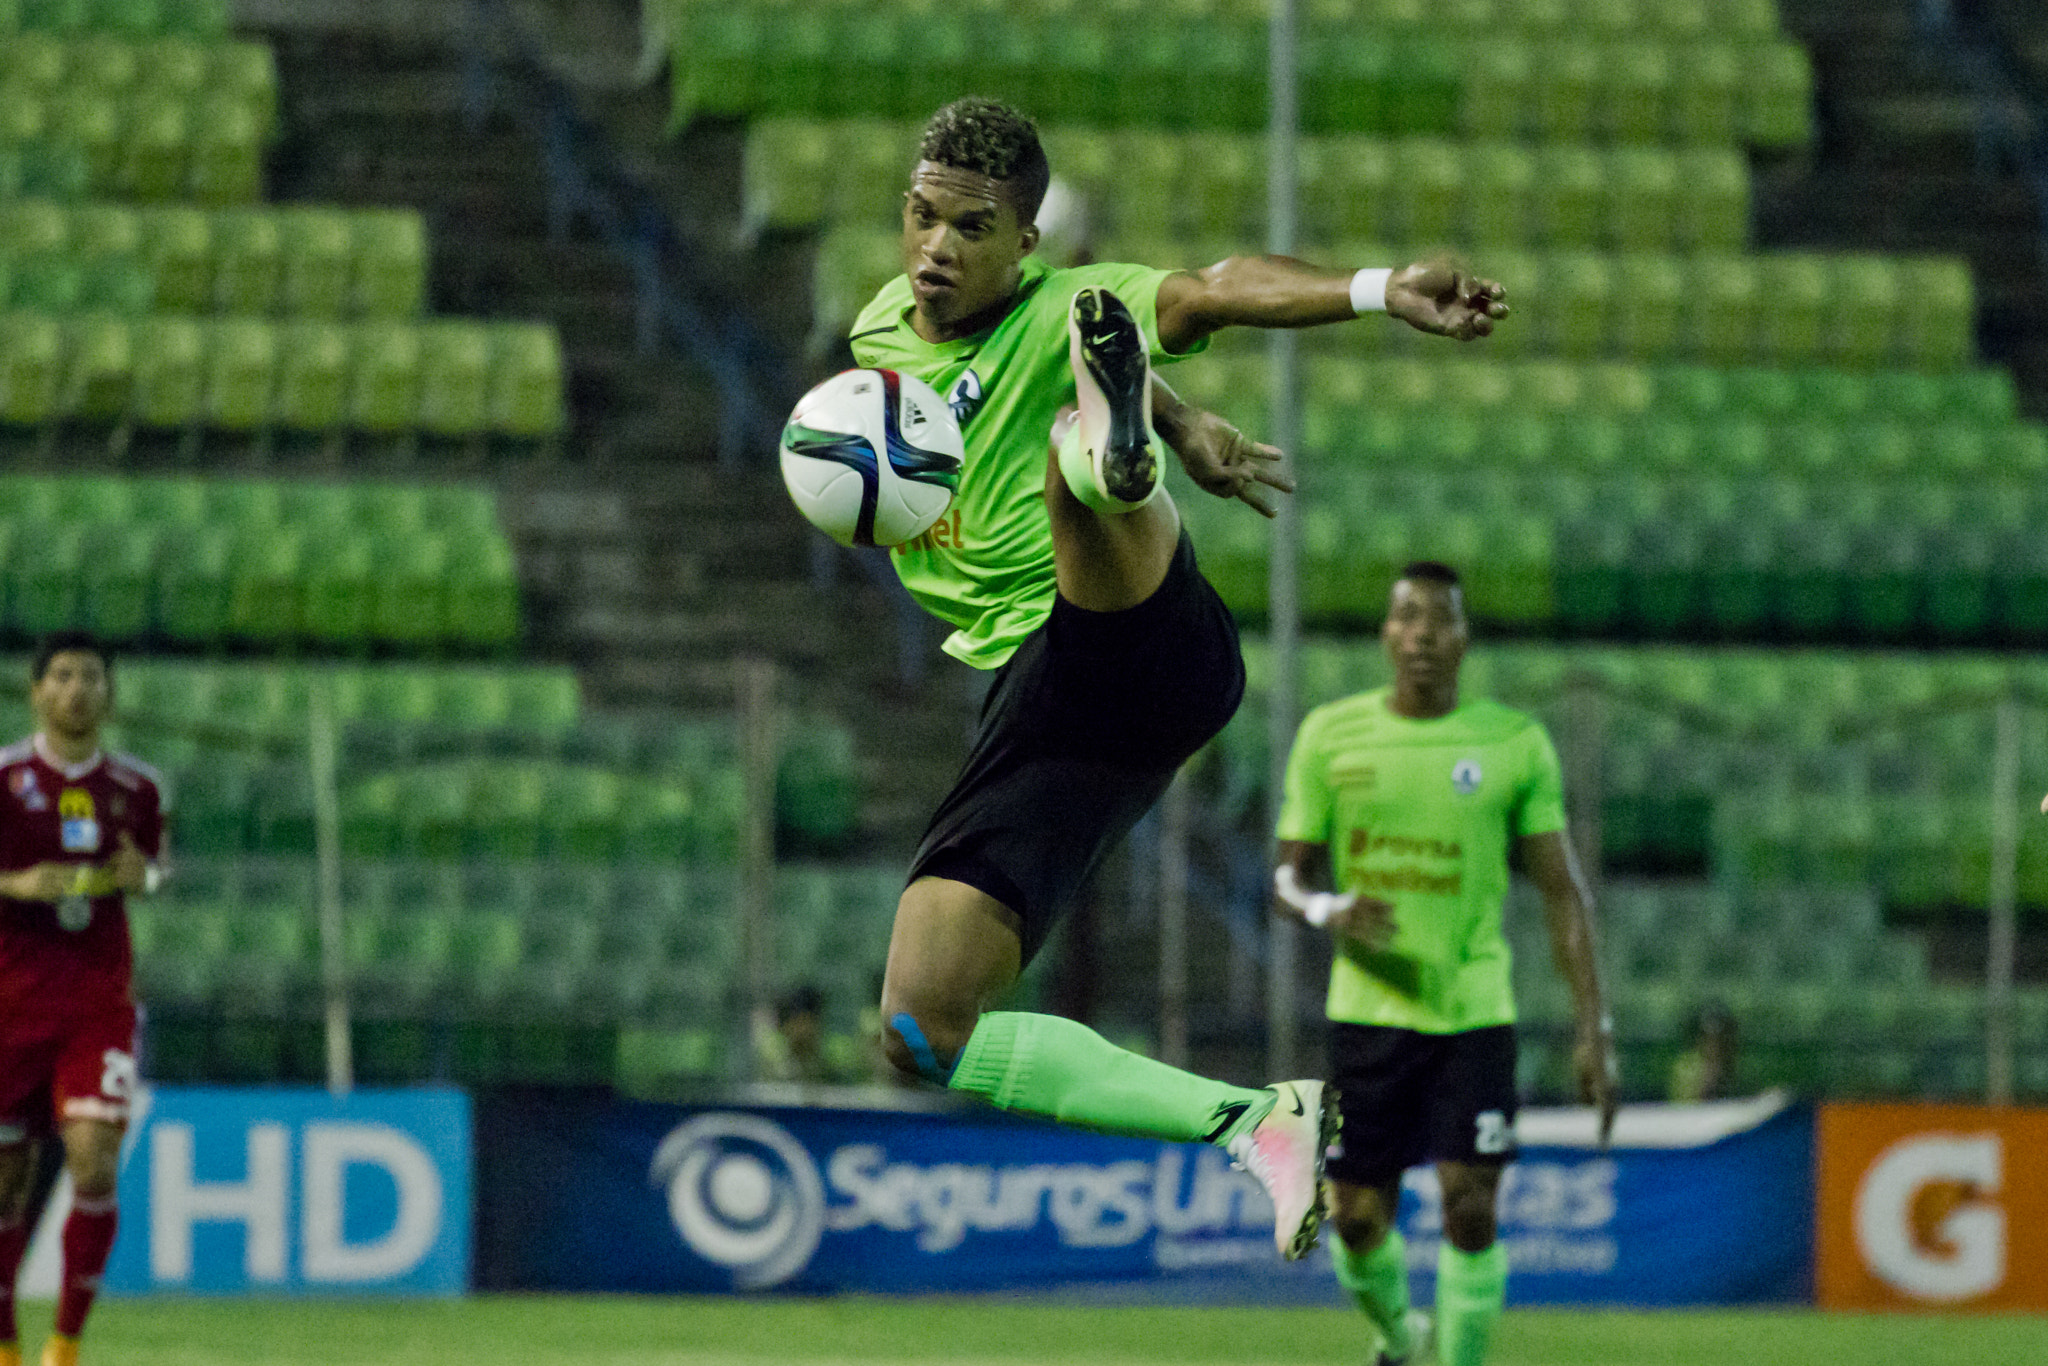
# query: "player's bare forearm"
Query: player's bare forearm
1249,291
1567,907
1578,959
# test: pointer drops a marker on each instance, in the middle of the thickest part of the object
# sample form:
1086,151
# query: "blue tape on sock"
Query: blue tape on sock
920,1049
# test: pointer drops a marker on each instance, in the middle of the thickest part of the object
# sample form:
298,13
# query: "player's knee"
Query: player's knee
94,1176
1469,1217
1360,1216
922,1046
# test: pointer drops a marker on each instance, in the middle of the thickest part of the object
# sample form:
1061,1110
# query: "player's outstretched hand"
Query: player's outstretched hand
1599,1076
127,869
1436,297
1224,461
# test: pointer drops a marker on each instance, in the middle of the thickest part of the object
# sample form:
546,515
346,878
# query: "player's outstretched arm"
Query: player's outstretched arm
1279,291
1220,459
1554,869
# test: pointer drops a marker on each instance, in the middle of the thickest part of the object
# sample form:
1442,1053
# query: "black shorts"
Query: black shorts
1408,1098
1081,732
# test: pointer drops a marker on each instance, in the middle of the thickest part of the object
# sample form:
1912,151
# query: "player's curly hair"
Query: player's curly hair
991,139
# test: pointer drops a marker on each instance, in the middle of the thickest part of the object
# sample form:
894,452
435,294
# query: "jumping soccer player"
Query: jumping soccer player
78,831
1412,803
1066,570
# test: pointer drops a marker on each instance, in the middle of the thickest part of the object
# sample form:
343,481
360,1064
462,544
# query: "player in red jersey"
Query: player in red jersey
80,829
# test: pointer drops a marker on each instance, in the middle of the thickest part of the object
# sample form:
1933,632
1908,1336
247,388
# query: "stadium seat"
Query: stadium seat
455,359
225,165
313,376
249,259
178,246
390,263
98,368
1866,298
319,263
241,374
526,381
266,572
31,368
384,395
340,578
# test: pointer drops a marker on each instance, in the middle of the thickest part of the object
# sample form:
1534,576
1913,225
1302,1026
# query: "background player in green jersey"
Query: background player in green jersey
1412,803
1064,567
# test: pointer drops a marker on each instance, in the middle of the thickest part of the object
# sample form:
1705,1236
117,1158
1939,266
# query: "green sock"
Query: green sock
1046,1065
1378,1281
1470,1289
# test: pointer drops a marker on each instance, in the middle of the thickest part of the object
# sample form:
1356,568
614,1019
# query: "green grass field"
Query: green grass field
601,1331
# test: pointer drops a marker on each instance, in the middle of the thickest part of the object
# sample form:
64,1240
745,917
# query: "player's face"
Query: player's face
1425,632
962,243
72,696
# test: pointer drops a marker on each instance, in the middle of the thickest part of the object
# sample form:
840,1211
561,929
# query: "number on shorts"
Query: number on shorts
117,1075
1492,1132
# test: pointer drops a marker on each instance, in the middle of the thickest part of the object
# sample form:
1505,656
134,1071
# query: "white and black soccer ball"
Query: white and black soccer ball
872,457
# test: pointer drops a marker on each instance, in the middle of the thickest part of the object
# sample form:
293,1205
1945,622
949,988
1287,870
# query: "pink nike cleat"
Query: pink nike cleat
1285,1151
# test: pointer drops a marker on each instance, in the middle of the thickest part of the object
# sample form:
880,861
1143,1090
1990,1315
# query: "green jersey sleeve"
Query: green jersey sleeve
1539,808
1305,808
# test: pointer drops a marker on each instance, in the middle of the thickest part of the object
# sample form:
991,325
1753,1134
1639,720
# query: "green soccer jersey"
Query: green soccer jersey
1421,814
986,567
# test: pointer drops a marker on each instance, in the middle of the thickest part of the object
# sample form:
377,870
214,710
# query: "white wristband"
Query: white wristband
1369,290
152,878
1316,907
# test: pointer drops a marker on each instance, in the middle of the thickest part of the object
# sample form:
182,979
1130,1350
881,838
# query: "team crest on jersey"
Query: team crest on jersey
23,784
965,398
78,822
1466,777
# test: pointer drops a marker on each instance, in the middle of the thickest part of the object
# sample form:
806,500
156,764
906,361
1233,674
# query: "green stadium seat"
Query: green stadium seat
266,574
455,360
319,263
31,368
1428,173
1634,93
1866,299
178,246
1498,91
101,63
226,158
48,283
249,258
390,263
247,73
1777,90
340,578
313,376
1575,303
1725,303
410,601
153,165
1565,90
1936,330
1642,200
483,594
44,574
192,583
1707,94
241,374
99,368
526,383
384,394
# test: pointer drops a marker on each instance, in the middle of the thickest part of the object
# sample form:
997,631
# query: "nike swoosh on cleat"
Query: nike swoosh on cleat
1295,1096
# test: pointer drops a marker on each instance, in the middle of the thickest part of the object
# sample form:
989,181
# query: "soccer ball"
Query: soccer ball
872,457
